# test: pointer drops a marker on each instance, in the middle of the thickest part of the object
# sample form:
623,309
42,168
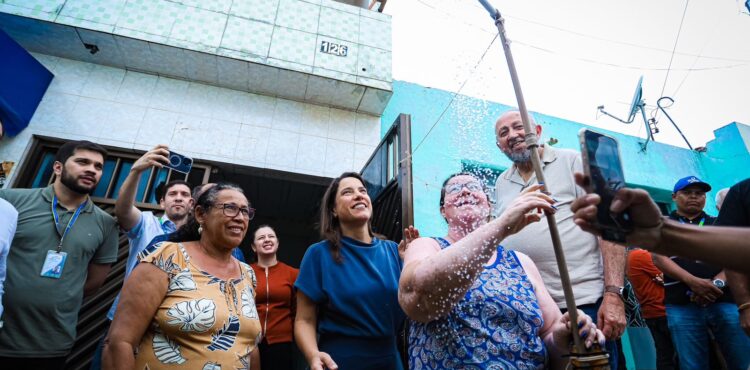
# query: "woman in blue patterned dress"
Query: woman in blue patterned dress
475,305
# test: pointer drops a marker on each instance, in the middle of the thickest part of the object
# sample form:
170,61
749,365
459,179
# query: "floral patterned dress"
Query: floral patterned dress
203,322
495,326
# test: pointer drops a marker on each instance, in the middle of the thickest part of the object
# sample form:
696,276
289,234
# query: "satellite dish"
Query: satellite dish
636,100
637,105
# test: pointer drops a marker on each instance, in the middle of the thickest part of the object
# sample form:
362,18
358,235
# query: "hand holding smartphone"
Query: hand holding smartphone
602,165
179,162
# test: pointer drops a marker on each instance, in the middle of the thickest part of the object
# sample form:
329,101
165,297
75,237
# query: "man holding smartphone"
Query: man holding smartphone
140,227
720,246
596,266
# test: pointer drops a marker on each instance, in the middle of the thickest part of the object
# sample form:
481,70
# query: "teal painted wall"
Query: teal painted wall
466,132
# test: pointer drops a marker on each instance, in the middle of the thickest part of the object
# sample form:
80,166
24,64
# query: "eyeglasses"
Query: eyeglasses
472,186
232,210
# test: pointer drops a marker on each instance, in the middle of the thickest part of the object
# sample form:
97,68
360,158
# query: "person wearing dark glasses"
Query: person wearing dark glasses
190,302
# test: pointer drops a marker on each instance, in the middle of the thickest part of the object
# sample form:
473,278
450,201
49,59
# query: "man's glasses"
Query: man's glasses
472,186
232,210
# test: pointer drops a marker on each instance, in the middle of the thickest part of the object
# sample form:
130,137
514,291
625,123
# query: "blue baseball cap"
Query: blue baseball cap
691,180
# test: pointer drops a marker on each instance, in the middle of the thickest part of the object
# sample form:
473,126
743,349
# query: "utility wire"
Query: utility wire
592,61
717,26
637,68
581,34
674,48
450,102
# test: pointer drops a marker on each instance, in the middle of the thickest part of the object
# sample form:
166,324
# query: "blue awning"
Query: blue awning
23,82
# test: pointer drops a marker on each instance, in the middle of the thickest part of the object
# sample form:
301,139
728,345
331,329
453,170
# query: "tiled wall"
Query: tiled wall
128,109
280,33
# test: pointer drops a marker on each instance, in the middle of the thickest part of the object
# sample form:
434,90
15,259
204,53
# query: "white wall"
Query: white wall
133,110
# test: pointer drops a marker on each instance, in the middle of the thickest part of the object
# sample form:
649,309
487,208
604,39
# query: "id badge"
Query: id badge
53,264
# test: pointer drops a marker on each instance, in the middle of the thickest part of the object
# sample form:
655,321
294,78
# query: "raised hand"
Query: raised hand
158,157
411,233
645,214
525,209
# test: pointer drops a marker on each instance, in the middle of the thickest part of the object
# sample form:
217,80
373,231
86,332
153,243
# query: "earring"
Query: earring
200,229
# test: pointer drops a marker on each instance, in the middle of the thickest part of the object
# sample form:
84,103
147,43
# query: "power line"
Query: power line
581,34
450,102
674,48
717,25
638,68
592,61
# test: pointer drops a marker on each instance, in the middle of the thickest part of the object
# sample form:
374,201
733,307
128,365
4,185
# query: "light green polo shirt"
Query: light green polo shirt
41,313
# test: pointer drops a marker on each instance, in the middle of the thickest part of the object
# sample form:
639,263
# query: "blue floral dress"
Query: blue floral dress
495,326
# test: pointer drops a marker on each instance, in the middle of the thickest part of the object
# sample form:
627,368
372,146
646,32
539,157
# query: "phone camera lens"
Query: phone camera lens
174,160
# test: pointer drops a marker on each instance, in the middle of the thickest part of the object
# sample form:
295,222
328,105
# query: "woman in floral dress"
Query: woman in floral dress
476,305
190,303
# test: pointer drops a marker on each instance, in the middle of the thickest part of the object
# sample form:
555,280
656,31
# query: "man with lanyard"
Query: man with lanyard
140,227
61,252
697,301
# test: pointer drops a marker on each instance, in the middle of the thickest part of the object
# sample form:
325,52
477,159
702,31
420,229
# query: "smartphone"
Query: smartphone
601,163
179,162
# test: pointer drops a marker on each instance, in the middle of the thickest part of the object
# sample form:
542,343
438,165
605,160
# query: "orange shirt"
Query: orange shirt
276,301
648,283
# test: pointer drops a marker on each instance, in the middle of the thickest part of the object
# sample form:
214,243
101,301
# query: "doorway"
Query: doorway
288,202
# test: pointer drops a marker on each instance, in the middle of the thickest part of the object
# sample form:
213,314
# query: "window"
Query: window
37,172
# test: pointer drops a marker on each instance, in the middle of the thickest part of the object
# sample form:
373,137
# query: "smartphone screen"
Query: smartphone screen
602,164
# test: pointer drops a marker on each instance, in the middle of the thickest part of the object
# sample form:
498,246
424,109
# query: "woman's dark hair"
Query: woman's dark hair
189,231
330,229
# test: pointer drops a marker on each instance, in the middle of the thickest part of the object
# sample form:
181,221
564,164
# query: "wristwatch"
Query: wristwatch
614,289
719,283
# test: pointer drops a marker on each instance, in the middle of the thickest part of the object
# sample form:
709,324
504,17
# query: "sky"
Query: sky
573,56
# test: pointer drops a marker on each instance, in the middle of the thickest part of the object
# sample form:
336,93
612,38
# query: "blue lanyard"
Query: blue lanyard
699,223
70,222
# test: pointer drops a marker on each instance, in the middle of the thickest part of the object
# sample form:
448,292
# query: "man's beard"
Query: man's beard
174,217
519,157
72,183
